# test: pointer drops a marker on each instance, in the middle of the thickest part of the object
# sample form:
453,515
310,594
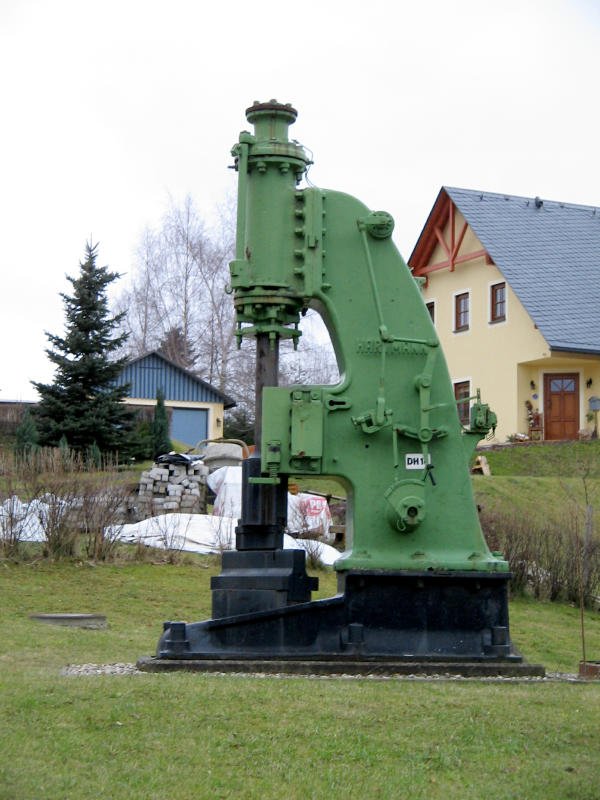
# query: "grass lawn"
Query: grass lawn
546,459
536,499
536,481
200,736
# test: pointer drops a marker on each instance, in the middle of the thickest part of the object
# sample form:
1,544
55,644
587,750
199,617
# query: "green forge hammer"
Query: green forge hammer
418,585
390,429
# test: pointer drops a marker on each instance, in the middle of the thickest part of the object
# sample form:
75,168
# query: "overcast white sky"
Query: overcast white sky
110,107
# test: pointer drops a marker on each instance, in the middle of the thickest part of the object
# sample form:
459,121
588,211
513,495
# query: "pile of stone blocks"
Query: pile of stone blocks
173,488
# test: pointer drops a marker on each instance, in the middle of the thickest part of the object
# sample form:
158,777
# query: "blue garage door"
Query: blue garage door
189,425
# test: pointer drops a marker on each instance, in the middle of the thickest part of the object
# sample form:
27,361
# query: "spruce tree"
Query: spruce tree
26,436
83,405
160,427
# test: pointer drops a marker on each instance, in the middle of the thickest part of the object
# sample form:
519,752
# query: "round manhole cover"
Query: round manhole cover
72,620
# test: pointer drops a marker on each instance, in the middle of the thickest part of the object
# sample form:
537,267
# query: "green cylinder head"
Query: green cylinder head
271,120
268,287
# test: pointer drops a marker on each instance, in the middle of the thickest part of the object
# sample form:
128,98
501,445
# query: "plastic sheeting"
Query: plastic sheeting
26,522
202,533
194,533
307,513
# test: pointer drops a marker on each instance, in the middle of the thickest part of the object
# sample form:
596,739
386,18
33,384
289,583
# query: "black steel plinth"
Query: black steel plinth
449,669
381,622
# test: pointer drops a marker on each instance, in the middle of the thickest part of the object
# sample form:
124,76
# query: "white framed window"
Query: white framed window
497,302
462,392
430,305
462,311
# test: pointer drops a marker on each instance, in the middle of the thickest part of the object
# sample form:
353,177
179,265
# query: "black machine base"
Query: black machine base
391,617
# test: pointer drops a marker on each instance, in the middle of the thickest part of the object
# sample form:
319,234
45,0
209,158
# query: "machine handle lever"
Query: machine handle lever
429,473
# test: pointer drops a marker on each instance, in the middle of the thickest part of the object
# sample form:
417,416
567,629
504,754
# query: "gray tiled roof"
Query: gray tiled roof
550,256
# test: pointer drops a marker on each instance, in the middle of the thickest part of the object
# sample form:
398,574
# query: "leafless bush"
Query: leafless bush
53,480
142,552
223,533
13,526
100,517
583,576
543,557
173,535
61,497
509,534
56,515
164,538
311,543
313,549
13,512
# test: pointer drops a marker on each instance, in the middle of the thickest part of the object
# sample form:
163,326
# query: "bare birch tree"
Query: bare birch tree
178,284
176,302
314,362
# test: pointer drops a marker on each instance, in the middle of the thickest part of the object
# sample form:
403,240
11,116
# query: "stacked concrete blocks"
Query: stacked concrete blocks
174,488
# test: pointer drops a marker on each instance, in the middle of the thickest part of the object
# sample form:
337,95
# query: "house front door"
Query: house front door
561,406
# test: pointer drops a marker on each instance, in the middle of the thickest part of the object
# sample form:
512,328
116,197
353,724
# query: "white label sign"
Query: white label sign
416,461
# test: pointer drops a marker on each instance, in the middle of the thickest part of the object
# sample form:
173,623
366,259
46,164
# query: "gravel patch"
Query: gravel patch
74,670
77,670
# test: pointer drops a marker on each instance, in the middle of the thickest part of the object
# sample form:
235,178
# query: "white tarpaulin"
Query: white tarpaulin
306,512
226,483
194,533
202,533
26,522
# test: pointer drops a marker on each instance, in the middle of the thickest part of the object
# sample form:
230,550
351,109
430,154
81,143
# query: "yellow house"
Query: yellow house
513,286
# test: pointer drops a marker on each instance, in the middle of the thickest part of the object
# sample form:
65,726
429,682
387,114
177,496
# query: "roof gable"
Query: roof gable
153,371
549,253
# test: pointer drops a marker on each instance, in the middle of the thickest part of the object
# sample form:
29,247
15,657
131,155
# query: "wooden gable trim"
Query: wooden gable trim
427,241
440,228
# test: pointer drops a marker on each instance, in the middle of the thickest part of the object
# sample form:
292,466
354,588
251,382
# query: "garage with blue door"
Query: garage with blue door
189,425
195,408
